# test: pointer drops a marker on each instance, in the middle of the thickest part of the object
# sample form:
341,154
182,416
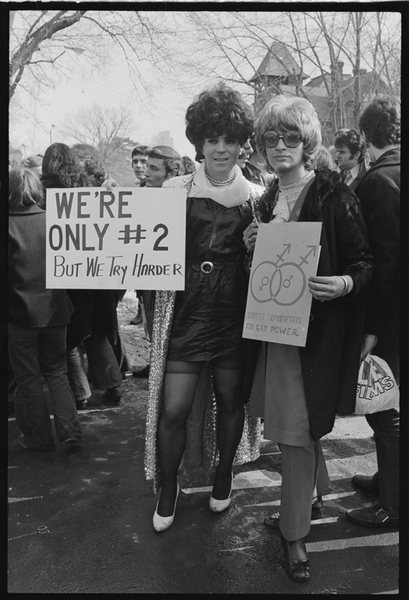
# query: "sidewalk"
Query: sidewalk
80,519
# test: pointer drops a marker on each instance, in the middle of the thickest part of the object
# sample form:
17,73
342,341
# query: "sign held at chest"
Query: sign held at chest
129,238
278,300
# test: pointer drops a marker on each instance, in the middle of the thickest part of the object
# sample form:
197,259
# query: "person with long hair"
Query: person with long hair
92,169
94,317
37,326
202,325
299,390
59,169
33,162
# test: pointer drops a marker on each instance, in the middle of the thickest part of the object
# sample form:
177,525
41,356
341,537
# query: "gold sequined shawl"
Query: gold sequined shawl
249,447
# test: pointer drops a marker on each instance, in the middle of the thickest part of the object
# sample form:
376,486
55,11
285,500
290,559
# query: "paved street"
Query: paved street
80,519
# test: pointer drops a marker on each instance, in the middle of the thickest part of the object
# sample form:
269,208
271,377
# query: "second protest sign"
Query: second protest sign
279,300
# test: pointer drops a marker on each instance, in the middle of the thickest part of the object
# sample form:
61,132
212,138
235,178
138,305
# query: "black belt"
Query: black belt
208,266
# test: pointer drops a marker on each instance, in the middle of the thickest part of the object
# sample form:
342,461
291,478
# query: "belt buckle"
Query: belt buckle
206,266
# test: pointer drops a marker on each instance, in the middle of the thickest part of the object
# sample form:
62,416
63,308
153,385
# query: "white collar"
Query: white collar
232,195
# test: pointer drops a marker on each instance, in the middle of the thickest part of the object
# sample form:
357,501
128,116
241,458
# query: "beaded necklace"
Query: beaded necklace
217,183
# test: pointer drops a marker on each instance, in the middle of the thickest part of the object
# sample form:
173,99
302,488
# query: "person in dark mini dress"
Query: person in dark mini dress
207,321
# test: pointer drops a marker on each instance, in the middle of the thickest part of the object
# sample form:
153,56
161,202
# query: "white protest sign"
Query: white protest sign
128,238
279,300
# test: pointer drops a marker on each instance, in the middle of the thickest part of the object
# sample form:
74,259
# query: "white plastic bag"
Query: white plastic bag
377,389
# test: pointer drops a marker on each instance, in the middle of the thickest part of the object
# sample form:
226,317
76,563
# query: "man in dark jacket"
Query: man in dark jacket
379,193
350,156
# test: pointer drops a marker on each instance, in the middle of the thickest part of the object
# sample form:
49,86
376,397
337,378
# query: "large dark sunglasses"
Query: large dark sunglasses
291,139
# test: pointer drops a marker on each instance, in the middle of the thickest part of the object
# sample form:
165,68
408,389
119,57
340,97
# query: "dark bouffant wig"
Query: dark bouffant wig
60,168
25,189
219,111
351,138
380,121
91,165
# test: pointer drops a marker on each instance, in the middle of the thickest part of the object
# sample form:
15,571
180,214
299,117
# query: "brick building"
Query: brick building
279,73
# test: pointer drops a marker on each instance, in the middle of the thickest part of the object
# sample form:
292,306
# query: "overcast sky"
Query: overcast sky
112,90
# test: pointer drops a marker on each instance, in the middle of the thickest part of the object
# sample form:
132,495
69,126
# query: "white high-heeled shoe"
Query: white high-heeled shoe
163,523
221,505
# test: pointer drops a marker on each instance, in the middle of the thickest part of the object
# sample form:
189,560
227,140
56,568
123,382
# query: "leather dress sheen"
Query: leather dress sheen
209,313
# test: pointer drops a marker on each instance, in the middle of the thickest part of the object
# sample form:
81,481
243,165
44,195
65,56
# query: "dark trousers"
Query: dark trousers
103,368
38,352
386,428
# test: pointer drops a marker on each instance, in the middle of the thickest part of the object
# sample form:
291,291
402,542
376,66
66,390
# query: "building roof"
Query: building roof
278,62
367,79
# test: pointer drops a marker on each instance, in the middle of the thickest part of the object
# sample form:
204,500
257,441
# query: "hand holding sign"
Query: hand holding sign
328,288
250,236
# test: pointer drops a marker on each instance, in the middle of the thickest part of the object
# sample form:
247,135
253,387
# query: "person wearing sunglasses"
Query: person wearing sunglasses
303,388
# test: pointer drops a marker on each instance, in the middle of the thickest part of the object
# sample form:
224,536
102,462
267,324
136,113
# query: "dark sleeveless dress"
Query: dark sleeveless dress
209,313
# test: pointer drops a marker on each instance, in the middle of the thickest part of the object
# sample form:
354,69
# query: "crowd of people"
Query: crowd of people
210,389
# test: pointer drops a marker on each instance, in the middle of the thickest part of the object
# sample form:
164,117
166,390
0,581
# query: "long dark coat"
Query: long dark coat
330,359
379,194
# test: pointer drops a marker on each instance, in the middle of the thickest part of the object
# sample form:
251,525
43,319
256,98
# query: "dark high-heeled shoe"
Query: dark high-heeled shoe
298,570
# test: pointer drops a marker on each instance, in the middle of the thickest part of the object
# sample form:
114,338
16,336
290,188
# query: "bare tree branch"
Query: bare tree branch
101,127
35,37
317,41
